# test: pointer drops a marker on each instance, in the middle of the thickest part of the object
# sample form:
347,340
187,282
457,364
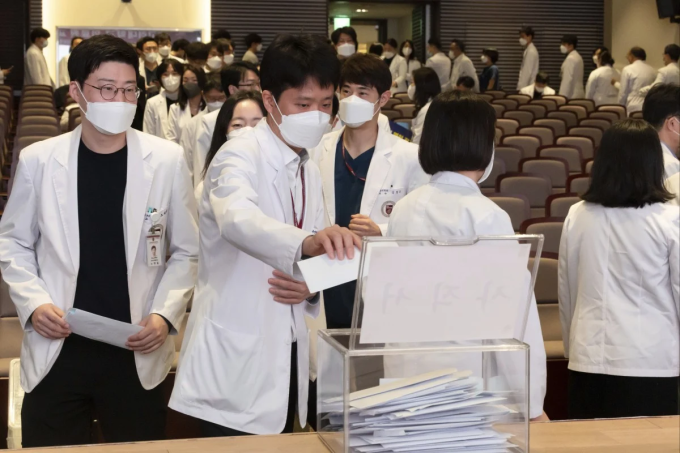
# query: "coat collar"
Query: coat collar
451,178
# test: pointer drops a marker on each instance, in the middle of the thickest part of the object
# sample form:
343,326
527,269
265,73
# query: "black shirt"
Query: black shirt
102,286
349,189
169,102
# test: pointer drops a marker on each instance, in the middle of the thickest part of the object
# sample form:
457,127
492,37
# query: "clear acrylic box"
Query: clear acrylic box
470,384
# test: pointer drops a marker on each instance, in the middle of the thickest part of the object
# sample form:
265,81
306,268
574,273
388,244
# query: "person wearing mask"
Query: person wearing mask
261,203
344,40
397,64
164,44
452,204
571,72
465,83
599,87
215,58
157,109
670,73
619,283
221,33
191,102
439,62
364,168
177,51
149,60
529,68
424,88
489,79
197,54
228,48
661,109
637,75
539,88
462,65
596,55
376,49
254,45
64,79
408,51
35,66
75,234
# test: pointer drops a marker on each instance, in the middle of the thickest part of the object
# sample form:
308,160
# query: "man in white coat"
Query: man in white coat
35,66
539,88
462,65
169,73
662,110
637,75
572,69
529,68
245,359
63,63
397,64
670,73
76,236
439,62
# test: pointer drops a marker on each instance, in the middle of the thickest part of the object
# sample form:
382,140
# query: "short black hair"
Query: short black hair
366,70
91,53
197,51
217,45
459,43
606,58
628,170
180,44
527,31
427,85
253,38
74,40
376,49
349,31
435,42
144,40
221,33
639,53
458,134
570,39
162,36
392,42
290,61
212,82
542,77
201,78
492,53
467,81
225,43
233,74
336,107
661,103
39,33
176,66
673,51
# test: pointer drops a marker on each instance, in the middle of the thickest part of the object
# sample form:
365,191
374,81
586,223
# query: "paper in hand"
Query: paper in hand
100,328
321,272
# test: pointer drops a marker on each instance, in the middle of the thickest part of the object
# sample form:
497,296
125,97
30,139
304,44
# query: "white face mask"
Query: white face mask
355,112
44,44
164,51
452,55
214,62
171,82
484,58
595,60
411,92
238,132
212,106
151,57
347,50
538,89
406,51
523,42
563,48
303,130
108,117
228,59
388,55
489,168
259,47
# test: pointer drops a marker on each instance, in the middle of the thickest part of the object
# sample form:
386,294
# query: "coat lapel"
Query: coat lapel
275,160
377,171
327,168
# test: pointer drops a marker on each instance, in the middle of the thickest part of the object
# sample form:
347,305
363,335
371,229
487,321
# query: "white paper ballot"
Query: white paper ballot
321,272
99,328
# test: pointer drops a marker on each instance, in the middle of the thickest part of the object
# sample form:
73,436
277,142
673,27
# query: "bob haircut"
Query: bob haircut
93,52
39,32
349,31
492,53
201,78
628,168
176,66
458,134
413,50
661,103
606,58
367,70
427,86
291,61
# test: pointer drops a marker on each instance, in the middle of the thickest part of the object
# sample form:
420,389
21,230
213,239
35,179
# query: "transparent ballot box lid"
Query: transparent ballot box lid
433,360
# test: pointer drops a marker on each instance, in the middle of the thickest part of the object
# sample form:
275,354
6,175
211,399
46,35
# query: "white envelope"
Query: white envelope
100,328
321,272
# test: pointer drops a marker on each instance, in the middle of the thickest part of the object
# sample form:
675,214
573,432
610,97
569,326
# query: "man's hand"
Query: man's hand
151,337
47,321
287,290
395,84
332,240
614,81
6,72
364,226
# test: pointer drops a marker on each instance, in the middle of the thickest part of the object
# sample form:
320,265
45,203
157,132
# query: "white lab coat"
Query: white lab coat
188,142
235,364
453,205
399,68
619,289
156,116
673,186
418,123
669,74
529,91
634,77
250,57
463,66
39,243
572,76
412,65
64,78
599,87
204,133
35,68
441,64
671,163
178,118
529,68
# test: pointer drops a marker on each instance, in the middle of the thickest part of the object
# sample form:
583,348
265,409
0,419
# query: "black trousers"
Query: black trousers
209,429
604,396
91,380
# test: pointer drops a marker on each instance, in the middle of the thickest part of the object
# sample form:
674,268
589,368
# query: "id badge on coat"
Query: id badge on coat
154,243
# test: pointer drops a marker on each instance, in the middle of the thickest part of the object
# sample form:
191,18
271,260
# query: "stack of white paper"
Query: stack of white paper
441,411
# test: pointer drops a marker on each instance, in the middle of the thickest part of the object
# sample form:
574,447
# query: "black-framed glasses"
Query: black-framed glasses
109,92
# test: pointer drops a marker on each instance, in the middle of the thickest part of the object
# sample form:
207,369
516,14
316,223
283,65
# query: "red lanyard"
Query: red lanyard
347,164
296,221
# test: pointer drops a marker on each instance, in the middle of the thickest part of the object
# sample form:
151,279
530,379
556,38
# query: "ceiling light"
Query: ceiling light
362,10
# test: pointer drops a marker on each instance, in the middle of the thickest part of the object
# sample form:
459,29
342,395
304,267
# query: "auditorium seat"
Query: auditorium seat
600,123
586,131
549,227
528,144
524,118
403,97
570,154
496,94
585,144
535,187
390,114
551,327
520,98
588,167
589,104
499,109
616,108
636,115
559,99
546,279
578,184
391,103
570,118
539,111
405,110
554,169
486,97
46,130
544,133
511,155
579,110
509,104
613,117
35,120
558,205
515,205
549,104
489,185
558,126
508,126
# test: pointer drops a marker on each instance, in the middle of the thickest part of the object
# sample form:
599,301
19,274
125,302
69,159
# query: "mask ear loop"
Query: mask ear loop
84,99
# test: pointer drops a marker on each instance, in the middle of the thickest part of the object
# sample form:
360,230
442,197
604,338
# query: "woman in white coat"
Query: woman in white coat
599,87
398,66
619,283
408,51
457,150
424,88
190,103
156,111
